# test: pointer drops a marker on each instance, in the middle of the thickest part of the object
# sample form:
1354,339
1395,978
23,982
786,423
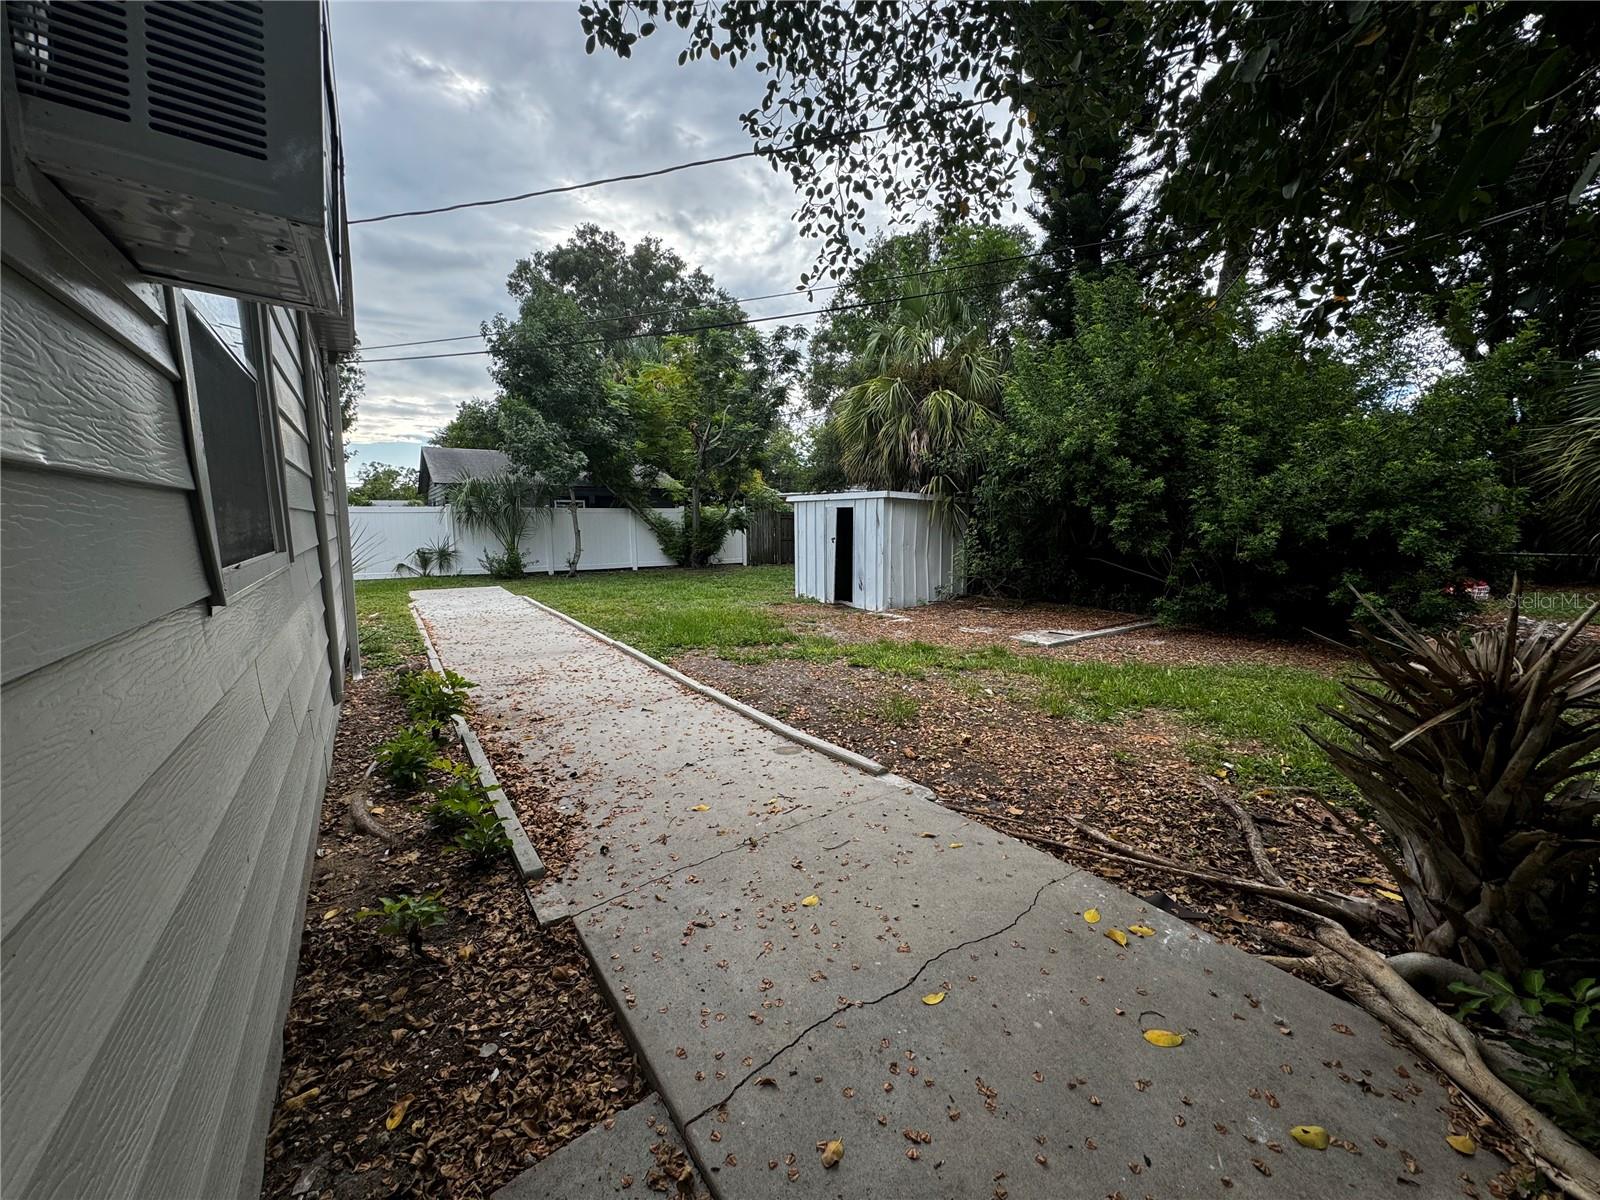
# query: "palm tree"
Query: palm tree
937,382
500,505
1570,454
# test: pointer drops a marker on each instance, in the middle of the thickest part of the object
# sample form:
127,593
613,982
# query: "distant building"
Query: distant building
444,467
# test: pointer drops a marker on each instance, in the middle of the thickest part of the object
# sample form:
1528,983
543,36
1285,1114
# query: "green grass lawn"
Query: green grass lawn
662,612
726,611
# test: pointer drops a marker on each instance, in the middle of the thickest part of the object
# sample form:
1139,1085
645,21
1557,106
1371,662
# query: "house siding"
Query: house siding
164,761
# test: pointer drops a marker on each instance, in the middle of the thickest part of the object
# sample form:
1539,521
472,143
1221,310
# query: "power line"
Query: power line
846,136
742,321
1395,252
821,287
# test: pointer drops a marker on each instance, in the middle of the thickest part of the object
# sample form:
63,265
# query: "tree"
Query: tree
476,426
935,384
381,481
1384,146
557,421
705,413
621,291
350,384
502,506
980,263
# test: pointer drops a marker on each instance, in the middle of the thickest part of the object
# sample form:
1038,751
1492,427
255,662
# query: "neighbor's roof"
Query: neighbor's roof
446,464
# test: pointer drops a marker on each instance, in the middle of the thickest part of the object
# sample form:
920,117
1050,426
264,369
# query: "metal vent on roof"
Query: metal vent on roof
205,68
72,54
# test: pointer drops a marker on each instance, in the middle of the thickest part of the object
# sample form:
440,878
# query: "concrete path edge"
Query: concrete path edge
529,865
766,720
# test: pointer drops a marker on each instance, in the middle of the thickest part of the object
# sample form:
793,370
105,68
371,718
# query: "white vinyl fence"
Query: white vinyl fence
613,539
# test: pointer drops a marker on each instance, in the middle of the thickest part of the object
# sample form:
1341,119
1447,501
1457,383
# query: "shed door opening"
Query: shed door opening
844,555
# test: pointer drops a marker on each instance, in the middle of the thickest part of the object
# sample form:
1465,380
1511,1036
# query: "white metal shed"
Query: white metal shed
872,550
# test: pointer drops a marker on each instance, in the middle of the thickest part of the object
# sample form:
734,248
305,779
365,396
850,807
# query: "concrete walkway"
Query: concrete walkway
770,924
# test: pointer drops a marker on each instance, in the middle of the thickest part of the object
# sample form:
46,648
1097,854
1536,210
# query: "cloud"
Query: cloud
445,102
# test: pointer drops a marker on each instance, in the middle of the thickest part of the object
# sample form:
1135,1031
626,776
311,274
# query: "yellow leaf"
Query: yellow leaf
1388,895
1366,879
832,1153
1462,1144
1142,930
811,901
1117,936
1092,915
957,845
331,914
1164,1038
930,835
1314,1136
397,1113
376,808
701,808
933,998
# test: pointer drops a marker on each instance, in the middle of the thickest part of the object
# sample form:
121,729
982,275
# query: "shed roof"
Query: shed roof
879,495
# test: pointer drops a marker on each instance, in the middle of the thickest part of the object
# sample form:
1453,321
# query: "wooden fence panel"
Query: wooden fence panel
771,537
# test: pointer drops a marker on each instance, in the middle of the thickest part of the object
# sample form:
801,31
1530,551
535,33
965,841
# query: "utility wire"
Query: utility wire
742,321
1395,252
821,287
846,136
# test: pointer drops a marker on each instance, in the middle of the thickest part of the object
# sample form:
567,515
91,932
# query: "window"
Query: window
235,451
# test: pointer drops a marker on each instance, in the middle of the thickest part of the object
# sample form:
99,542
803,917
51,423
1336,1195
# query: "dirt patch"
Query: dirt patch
981,747
499,1034
972,623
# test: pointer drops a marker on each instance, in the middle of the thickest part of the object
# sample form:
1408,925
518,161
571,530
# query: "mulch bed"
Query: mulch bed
982,750
487,1054
975,623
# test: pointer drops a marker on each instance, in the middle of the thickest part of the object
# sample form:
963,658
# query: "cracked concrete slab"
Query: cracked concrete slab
1033,1074
613,1159
770,1025
718,968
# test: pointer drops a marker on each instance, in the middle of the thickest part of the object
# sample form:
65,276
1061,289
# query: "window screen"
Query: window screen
230,422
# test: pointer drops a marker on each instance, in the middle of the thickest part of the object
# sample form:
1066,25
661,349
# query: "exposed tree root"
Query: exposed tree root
1252,836
1333,906
361,817
1371,982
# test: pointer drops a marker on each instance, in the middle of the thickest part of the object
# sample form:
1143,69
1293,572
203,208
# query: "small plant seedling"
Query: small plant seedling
483,840
407,916
434,696
406,757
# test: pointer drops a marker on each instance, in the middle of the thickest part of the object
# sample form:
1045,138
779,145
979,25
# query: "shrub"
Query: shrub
1560,1042
407,916
483,839
405,758
434,697
1230,474
678,542
1477,755
505,565
437,556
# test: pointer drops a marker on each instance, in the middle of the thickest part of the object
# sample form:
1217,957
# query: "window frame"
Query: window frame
231,581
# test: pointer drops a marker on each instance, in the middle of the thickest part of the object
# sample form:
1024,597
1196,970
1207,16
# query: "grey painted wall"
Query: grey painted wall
164,760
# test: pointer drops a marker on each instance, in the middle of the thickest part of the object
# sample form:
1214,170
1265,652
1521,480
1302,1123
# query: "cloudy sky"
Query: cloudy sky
444,102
